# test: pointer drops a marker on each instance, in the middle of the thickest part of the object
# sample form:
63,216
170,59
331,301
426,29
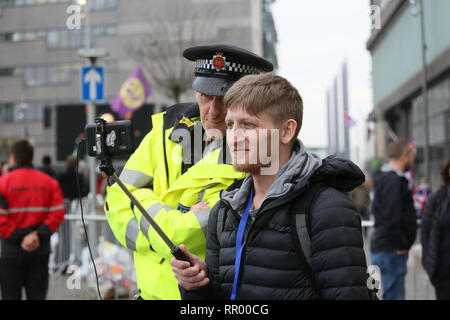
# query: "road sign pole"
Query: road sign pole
92,229
91,111
92,54
92,84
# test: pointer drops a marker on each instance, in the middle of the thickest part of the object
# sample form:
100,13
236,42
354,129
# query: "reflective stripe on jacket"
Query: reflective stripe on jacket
168,202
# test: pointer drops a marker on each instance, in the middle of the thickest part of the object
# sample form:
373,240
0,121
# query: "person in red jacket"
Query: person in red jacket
31,209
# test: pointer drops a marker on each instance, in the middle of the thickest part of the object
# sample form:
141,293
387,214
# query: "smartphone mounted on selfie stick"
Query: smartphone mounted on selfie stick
105,140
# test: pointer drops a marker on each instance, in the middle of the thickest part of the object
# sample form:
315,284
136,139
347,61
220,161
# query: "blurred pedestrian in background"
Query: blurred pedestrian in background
46,166
395,220
420,196
2,164
435,237
31,209
361,198
68,180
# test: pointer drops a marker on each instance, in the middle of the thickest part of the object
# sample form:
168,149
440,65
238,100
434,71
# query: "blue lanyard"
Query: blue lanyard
239,244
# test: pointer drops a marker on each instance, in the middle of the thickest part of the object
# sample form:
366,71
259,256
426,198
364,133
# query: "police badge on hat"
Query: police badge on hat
219,61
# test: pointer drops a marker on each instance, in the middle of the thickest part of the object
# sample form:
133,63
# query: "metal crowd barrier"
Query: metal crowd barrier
69,253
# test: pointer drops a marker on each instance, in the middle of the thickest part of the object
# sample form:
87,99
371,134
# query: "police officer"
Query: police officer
179,169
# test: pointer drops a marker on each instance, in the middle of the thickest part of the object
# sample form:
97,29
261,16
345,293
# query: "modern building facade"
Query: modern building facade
398,72
40,65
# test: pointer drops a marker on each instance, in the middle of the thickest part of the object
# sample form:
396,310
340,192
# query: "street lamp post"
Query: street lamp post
92,54
426,149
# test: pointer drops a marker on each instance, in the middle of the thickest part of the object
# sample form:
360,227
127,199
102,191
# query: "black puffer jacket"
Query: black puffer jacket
270,267
67,181
431,228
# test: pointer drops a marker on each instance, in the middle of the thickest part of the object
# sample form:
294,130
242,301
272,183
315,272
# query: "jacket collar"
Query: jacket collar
387,167
21,166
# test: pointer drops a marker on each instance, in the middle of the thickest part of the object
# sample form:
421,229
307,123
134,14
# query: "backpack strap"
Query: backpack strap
301,224
303,235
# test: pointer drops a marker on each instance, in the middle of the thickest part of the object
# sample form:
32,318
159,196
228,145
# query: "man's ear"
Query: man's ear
288,131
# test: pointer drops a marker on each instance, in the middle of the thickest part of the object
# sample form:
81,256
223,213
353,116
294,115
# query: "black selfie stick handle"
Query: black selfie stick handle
179,255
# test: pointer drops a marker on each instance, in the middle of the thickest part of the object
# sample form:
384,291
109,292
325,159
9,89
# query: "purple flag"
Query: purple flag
132,95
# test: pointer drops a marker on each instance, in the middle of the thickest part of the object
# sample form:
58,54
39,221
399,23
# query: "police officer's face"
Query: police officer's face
212,113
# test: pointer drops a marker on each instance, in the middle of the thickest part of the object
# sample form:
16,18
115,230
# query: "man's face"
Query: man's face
253,141
212,114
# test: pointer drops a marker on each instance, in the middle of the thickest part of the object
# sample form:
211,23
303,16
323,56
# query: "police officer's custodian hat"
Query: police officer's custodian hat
217,67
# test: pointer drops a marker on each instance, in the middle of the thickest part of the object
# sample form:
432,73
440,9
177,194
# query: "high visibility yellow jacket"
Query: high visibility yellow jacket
159,178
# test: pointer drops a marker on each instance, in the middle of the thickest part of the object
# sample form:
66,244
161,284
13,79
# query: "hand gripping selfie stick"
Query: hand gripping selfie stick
107,167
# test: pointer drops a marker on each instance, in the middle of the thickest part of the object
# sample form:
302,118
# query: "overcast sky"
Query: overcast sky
315,37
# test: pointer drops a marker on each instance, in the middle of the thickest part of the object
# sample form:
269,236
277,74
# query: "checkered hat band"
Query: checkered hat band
229,66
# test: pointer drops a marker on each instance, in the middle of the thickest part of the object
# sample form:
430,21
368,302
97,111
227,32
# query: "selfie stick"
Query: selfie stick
107,167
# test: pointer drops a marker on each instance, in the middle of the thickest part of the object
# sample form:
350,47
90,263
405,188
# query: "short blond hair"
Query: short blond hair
268,93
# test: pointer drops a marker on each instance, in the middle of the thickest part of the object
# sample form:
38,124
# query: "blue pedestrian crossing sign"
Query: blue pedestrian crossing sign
92,84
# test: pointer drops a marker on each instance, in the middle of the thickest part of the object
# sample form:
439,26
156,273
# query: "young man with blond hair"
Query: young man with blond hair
254,249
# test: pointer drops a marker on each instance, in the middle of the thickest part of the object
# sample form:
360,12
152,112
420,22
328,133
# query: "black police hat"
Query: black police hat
217,67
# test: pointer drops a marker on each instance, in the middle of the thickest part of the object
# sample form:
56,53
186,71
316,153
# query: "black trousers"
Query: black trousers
441,282
30,272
